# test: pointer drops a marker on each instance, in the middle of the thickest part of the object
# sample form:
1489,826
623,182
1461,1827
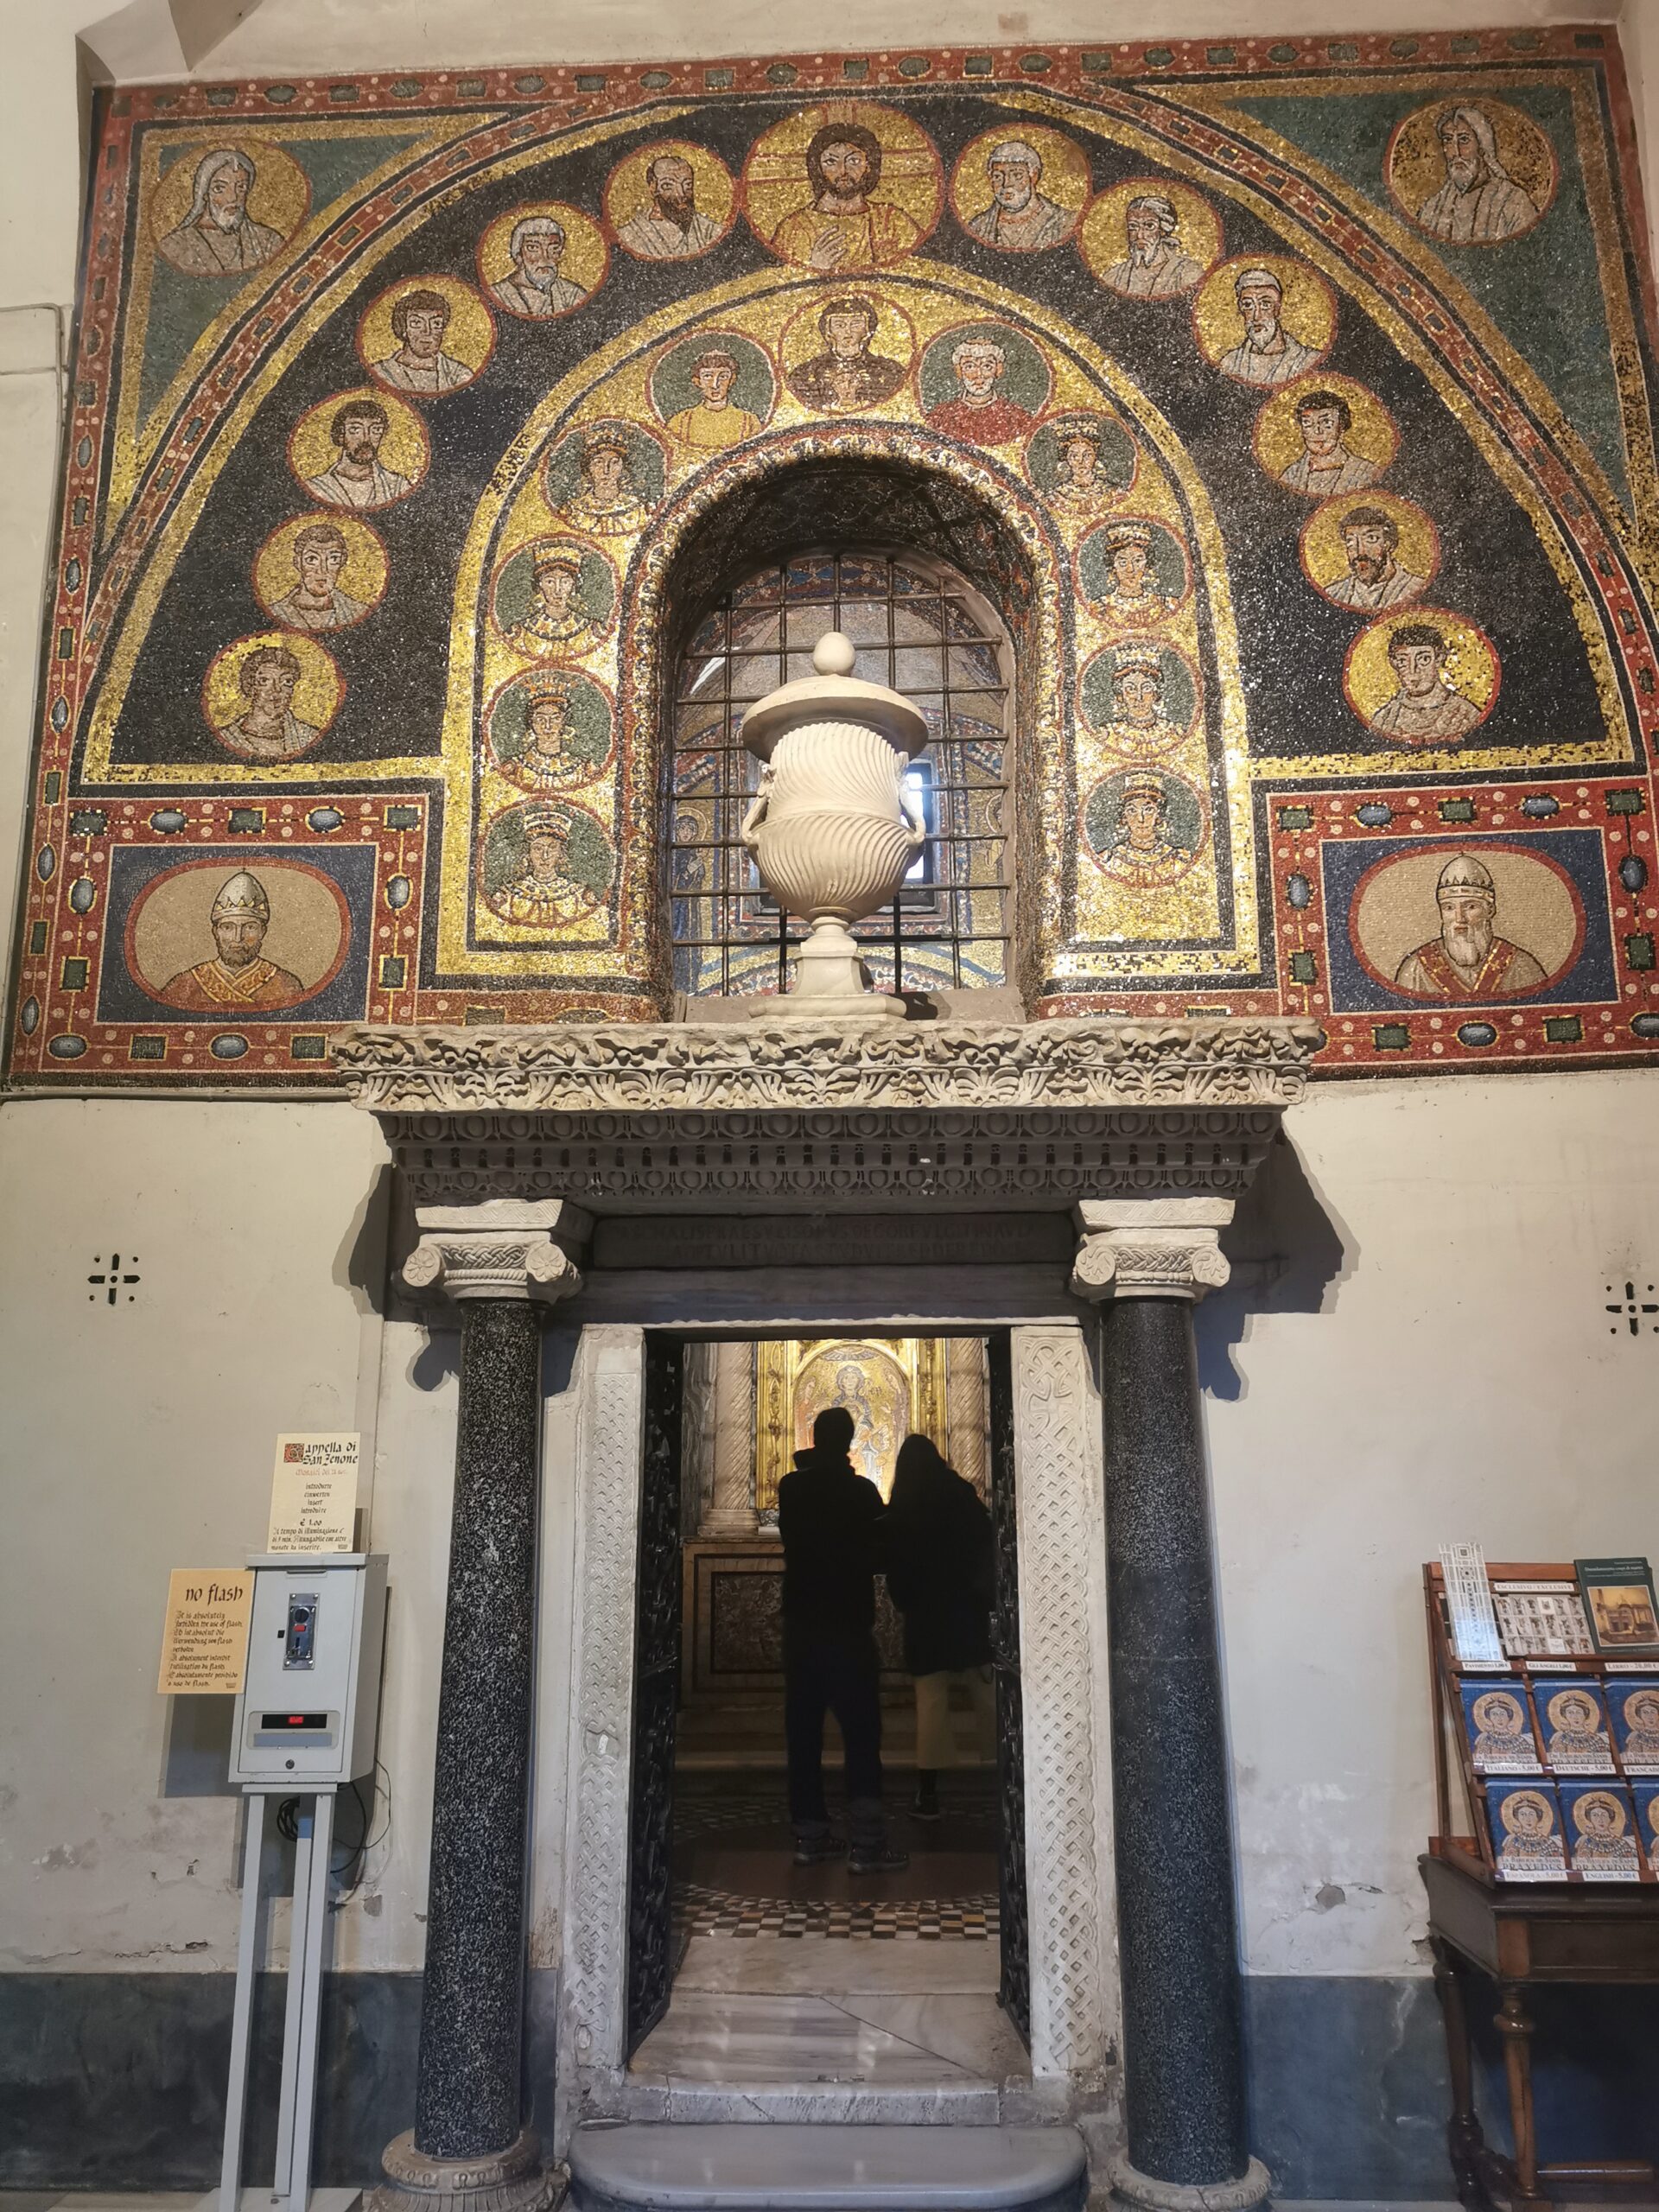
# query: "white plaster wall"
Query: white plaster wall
1460,1380
138,1438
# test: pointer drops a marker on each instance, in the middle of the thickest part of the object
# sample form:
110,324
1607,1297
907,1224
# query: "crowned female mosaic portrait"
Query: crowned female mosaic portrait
1283,415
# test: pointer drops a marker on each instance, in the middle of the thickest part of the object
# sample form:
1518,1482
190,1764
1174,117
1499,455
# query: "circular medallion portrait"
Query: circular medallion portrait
669,201
550,731
1424,677
1143,827
846,353
220,941
604,478
1022,190
545,863
984,383
541,259
554,597
1601,1826
1265,319
1134,569
425,336
843,189
1453,924
1150,239
1324,437
1371,553
713,390
224,205
361,449
1471,172
317,573
1081,463
1141,697
1526,1813
1499,1714
270,697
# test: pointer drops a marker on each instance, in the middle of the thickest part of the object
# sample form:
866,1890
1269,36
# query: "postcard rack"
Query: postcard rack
1463,1834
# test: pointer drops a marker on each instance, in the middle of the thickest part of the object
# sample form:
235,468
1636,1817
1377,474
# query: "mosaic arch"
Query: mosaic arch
1293,403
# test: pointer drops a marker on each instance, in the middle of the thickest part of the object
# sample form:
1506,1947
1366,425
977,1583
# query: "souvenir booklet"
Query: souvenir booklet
1468,1605
1500,1729
1526,1825
1543,1620
1646,1794
1601,1826
1619,1597
1574,1721
1634,1705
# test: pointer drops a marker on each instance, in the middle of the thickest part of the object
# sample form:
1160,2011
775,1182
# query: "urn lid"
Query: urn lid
834,694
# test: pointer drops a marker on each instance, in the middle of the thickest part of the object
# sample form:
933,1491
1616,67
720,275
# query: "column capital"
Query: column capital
1160,1247
517,1248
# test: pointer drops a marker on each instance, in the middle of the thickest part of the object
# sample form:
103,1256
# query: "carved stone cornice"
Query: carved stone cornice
1150,1247
721,1067
750,1117
497,1248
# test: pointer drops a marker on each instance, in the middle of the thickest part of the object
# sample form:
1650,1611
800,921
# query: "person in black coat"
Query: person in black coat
938,1539
827,1517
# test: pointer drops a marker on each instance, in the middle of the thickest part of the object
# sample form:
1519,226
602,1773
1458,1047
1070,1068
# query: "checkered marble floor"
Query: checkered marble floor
699,1910
734,1874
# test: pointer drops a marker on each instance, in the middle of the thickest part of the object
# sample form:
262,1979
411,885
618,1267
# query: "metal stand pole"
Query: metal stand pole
253,1852
299,2089
297,2102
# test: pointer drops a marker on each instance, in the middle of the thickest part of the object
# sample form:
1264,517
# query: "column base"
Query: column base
512,2180
729,1521
1148,2195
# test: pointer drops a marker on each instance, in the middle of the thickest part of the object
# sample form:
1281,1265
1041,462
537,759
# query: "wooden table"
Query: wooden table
1523,1933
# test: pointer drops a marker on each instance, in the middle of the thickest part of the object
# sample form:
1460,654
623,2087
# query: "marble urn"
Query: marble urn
831,829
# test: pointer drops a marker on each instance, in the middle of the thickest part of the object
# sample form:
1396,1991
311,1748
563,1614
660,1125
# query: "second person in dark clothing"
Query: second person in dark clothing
827,1518
937,1540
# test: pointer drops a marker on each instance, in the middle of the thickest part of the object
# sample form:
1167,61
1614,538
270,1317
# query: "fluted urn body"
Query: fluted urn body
830,829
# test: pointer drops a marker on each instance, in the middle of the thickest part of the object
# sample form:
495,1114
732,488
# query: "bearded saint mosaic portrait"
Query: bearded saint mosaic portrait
1244,457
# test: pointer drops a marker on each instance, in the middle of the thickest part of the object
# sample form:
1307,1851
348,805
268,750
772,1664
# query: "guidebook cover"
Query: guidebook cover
1526,1825
1574,1725
1600,1831
1500,1731
1646,1794
1634,1705
1619,1595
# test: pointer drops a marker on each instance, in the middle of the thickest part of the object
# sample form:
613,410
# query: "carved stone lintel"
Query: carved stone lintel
511,2181
720,1067
498,1247
1253,2188
1150,1247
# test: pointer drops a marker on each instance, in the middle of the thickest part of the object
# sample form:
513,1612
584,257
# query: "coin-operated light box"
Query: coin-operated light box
307,1715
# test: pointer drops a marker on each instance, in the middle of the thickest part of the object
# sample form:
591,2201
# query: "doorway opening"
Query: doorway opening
746,1967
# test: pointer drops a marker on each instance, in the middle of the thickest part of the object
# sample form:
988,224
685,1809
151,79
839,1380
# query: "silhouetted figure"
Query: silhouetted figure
938,1545
827,1517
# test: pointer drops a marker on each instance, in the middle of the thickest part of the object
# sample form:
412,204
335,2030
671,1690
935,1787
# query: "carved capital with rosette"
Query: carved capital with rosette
497,1248
1150,1247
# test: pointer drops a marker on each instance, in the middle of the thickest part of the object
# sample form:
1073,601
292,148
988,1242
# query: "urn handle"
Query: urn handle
747,836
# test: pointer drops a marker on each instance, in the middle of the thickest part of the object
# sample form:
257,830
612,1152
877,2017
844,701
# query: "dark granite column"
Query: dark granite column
468,2140
1187,2141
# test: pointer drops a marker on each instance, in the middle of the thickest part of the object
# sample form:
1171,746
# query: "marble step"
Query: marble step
784,2167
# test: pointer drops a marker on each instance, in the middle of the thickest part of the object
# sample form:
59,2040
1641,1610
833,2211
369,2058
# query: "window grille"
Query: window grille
918,628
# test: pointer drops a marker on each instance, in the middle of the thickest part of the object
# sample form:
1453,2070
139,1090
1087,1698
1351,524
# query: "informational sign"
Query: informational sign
314,1494
205,1643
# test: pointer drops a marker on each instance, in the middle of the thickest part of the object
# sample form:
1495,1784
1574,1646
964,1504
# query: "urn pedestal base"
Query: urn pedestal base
830,982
